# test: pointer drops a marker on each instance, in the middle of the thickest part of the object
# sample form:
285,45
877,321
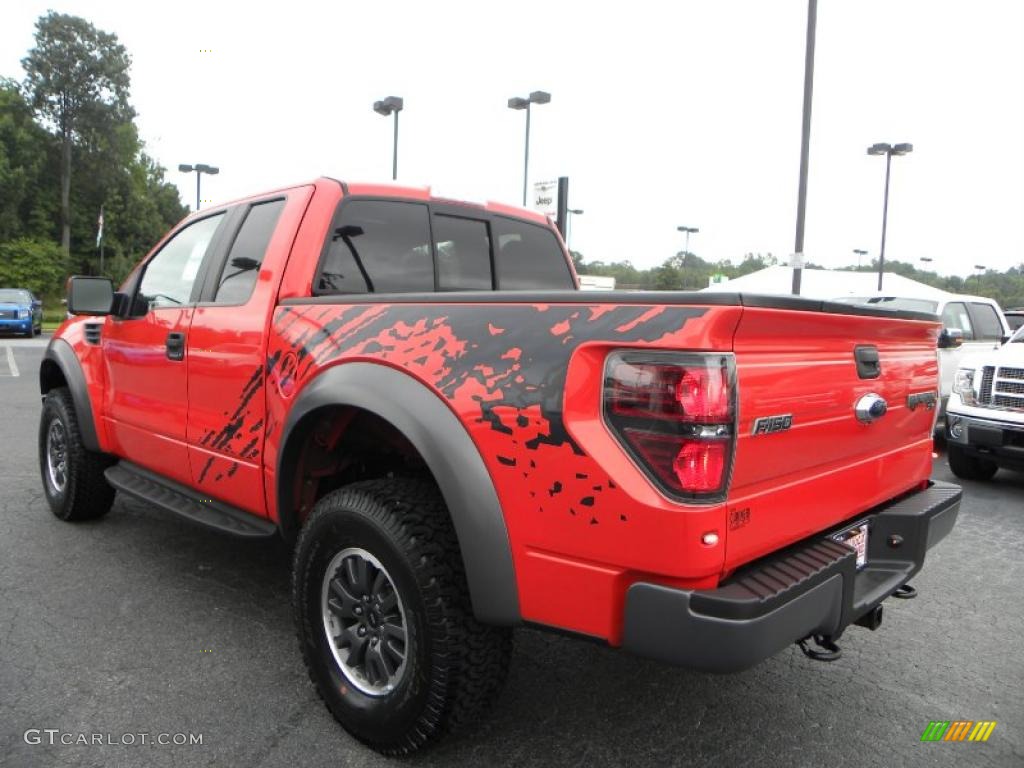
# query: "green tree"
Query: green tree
33,264
77,81
25,182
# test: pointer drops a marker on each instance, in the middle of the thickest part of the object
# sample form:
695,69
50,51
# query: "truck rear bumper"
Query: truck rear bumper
811,588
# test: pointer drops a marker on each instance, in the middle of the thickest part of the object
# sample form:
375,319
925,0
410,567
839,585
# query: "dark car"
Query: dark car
20,312
1015,317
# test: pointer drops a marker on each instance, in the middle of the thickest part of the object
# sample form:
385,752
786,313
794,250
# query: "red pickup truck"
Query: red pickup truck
459,441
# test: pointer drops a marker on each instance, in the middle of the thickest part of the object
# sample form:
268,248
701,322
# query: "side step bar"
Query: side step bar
173,497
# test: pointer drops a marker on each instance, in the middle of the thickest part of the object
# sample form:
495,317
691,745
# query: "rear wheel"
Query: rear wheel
384,619
968,467
72,475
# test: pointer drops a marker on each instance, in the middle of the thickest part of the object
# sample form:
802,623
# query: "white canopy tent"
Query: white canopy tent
828,284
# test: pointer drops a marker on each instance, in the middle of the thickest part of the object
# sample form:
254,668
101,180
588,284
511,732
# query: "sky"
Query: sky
662,113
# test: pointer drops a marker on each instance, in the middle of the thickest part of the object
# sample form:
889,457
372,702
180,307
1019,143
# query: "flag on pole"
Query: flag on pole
99,233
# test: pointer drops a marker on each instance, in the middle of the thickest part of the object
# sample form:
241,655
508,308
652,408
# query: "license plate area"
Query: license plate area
856,536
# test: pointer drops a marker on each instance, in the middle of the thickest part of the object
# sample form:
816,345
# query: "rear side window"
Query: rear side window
986,321
378,247
247,252
955,316
463,254
528,257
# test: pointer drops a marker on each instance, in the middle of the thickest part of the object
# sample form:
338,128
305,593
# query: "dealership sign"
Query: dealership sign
545,198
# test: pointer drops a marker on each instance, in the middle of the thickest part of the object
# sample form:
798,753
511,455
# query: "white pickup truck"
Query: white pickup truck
985,412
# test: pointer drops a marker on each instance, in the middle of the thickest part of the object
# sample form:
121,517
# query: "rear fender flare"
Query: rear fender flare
450,454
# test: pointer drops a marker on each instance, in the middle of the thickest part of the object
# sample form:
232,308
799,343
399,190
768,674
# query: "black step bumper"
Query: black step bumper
812,588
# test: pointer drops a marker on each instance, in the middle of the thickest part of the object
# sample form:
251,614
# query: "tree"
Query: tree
26,190
77,81
37,266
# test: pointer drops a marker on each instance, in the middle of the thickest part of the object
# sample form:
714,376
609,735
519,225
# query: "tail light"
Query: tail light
674,414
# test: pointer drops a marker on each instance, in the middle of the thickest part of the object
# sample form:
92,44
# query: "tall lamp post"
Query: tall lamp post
860,254
689,231
888,150
391,105
200,169
568,224
516,102
981,268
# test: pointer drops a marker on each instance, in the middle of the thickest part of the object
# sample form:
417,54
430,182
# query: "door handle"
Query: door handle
175,346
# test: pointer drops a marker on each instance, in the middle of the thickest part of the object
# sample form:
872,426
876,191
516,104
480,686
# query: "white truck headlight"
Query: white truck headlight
963,385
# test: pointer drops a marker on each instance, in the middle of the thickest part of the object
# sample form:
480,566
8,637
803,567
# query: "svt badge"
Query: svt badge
768,424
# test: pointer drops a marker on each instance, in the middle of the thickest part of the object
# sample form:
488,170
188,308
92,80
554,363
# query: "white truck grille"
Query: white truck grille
1002,388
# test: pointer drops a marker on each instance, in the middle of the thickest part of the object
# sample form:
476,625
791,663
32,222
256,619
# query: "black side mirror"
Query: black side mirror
90,295
951,338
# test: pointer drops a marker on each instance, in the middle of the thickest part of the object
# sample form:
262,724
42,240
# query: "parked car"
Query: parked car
969,324
985,417
460,441
20,312
1014,317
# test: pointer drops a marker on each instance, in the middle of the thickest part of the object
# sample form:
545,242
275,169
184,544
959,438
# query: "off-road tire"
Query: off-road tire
968,467
86,494
455,666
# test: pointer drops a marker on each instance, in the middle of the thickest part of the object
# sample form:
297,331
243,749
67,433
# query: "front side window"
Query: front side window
247,252
378,247
528,257
463,254
955,316
170,274
986,321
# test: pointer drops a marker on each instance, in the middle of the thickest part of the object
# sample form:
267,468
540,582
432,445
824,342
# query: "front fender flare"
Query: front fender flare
60,353
450,454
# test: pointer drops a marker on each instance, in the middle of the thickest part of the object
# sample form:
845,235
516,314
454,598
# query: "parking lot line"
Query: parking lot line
13,366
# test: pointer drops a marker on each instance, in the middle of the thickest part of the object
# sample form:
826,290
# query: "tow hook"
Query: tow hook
905,592
829,650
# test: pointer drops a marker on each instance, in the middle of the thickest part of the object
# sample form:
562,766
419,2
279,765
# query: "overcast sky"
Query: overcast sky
662,113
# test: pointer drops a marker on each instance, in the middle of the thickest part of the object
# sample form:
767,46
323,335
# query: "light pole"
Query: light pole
568,224
688,231
516,102
888,150
385,107
981,268
200,169
860,253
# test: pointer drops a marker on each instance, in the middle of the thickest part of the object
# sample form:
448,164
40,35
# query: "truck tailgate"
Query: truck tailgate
817,464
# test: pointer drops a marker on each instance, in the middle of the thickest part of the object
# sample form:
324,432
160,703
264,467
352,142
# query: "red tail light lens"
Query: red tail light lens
673,413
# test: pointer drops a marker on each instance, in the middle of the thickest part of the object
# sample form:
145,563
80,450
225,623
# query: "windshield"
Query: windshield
891,302
9,296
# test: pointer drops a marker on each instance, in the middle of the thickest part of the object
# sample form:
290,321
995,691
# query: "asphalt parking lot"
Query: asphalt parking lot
142,623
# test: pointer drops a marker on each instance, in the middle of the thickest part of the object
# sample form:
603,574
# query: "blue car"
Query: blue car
20,312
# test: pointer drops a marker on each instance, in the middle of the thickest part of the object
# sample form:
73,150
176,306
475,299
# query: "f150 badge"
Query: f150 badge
768,424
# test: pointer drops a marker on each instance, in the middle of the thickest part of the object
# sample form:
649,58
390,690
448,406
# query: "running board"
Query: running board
173,497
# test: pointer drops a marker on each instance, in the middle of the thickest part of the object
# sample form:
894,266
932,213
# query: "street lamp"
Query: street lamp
570,212
385,107
537,97
200,169
860,253
981,268
688,231
888,150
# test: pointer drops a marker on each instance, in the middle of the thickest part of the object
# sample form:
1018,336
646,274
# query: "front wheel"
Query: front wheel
72,475
968,467
384,619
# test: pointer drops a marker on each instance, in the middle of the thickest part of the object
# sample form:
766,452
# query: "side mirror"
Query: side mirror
951,338
90,295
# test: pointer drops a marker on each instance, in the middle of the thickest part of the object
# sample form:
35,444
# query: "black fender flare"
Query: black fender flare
450,454
60,353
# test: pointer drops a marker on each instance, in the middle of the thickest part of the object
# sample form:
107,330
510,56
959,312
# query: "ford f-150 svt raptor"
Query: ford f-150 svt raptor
460,441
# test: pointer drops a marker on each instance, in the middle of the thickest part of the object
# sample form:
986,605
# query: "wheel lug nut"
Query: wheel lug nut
362,631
